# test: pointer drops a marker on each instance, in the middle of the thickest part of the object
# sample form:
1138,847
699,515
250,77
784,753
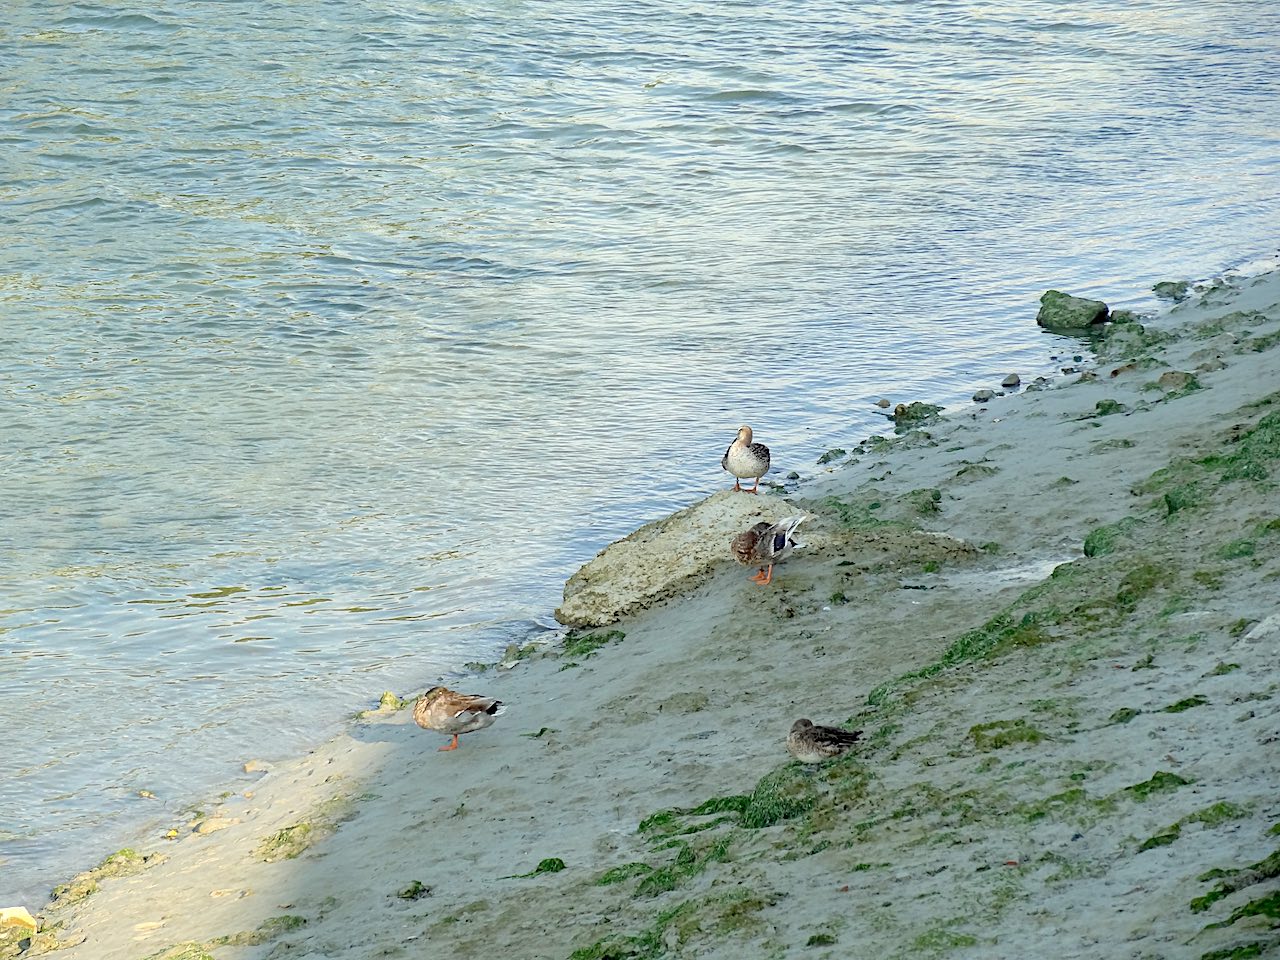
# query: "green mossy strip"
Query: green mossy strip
1106,540
999,734
623,873
1267,868
1243,951
784,794
1161,782
1185,704
290,842
182,951
1268,906
587,645
687,864
547,865
122,863
268,930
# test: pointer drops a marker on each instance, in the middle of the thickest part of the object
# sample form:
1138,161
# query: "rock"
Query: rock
17,918
1061,311
257,766
1124,316
833,454
1212,365
214,824
882,403
793,475
911,414
1012,380
1267,631
662,558
1175,380
984,396
1171,289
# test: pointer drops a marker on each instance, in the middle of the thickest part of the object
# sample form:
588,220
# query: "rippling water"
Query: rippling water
335,336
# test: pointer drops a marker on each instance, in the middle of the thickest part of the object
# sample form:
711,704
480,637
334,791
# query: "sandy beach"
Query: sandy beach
1053,615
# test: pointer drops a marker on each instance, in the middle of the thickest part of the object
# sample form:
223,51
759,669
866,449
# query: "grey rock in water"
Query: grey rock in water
982,396
1012,380
1171,289
1061,311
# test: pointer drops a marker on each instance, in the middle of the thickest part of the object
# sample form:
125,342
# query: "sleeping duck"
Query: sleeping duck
810,742
447,711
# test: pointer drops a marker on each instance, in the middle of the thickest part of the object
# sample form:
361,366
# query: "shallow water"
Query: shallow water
334,337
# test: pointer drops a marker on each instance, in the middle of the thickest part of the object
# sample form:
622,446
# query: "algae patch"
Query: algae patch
122,863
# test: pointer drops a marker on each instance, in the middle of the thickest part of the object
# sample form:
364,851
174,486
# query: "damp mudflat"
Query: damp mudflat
334,339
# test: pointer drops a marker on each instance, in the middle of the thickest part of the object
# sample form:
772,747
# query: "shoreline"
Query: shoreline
1076,563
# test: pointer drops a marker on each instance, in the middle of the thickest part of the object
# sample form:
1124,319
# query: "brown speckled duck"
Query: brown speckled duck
766,544
448,711
746,459
809,742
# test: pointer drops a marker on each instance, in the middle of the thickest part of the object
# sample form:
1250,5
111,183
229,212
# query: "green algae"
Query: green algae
998,734
189,950
623,873
1107,539
1267,906
1161,782
1236,549
268,930
1185,704
546,865
588,645
688,863
1244,951
1123,715
122,863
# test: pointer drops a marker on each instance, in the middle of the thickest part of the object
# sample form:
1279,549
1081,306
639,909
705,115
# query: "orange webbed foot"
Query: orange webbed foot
453,745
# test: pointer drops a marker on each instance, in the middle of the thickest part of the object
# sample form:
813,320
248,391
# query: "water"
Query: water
333,337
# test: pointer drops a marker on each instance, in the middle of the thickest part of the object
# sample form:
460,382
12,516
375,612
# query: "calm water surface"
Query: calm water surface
333,337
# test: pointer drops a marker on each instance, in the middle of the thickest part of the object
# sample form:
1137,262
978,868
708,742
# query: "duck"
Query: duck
766,543
448,711
746,459
810,742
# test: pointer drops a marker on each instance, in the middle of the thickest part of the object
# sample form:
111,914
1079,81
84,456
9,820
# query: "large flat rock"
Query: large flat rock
663,558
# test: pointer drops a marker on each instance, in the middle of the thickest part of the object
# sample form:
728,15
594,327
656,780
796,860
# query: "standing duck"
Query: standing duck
809,742
447,711
766,543
746,459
